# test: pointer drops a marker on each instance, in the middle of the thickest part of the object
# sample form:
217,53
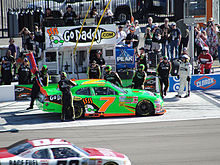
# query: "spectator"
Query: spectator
121,35
184,74
112,77
165,37
142,58
48,14
212,38
150,23
148,39
14,49
137,29
132,39
39,40
93,13
24,73
30,42
206,61
107,18
184,35
156,46
70,16
6,69
175,38
139,78
94,71
163,71
24,33
127,27
201,41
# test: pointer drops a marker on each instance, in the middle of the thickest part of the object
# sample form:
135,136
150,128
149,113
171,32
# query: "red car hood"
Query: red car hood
4,153
103,152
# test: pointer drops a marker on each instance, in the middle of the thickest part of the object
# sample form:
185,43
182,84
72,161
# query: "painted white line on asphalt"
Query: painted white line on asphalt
211,98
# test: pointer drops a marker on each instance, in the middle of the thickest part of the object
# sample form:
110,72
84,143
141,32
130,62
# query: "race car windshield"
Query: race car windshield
118,88
81,150
19,147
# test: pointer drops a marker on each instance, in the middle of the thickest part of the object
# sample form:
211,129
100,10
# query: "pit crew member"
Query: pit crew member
139,78
112,77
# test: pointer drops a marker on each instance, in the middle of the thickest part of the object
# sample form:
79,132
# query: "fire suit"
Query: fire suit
206,63
67,99
24,74
113,78
163,71
6,69
139,79
185,70
94,72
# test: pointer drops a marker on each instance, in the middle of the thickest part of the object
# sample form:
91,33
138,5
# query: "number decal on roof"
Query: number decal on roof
109,101
44,142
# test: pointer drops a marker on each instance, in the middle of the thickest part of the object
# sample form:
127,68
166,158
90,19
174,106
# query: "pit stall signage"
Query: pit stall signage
57,37
125,58
198,82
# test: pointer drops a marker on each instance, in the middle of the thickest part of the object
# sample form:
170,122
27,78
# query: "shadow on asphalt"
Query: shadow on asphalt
19,118
172,99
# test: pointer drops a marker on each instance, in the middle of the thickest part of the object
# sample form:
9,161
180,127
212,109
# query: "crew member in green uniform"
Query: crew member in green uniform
112,77
139,78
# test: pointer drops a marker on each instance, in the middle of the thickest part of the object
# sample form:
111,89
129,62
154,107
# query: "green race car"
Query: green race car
100,98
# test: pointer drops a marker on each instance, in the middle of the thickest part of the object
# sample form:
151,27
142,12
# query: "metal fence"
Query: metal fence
120,8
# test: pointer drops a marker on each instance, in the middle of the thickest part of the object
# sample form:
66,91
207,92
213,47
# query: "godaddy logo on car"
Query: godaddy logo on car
87,34
205,82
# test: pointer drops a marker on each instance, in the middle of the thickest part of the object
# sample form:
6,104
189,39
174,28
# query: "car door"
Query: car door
107,101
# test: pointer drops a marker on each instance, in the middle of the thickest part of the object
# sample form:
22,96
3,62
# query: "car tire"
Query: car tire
79,110
145,108
111,163
122,14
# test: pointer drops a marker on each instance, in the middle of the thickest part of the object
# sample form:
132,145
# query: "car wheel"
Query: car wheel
79,110
111,163
145,108
122,14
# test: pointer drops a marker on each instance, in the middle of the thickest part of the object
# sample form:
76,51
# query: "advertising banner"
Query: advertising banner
56,37
198,82
125,58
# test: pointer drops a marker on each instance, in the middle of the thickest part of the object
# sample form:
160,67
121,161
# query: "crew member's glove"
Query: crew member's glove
188,78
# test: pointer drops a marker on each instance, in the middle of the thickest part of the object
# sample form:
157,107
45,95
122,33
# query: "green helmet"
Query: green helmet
44,68
141,66
108,68
63,74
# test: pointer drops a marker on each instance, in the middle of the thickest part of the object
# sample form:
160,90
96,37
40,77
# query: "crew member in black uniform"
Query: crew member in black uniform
94,71
142,58
67,98
163,71
139,78
24,73
44,77
112,77
6,69
70,16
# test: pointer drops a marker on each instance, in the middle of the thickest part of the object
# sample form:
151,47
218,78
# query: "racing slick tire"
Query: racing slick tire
111,163
145,108
79,110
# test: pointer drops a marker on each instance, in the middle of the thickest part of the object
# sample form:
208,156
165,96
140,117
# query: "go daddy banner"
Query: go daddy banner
198,82
56,37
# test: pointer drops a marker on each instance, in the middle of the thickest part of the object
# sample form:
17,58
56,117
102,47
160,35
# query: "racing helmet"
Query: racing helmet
63,74
44,69
185,57
108,68
205,48
141,66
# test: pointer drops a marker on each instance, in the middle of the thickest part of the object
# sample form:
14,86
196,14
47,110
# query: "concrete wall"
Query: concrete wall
7,93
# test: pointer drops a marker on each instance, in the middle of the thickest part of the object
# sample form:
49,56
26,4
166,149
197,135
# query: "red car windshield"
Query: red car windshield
19,147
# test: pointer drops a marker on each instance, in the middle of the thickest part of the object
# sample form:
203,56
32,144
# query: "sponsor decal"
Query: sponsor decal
87,101
87,34
23,162
19,89
90,109
205,82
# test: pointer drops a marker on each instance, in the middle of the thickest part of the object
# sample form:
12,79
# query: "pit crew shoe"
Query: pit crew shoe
29,108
